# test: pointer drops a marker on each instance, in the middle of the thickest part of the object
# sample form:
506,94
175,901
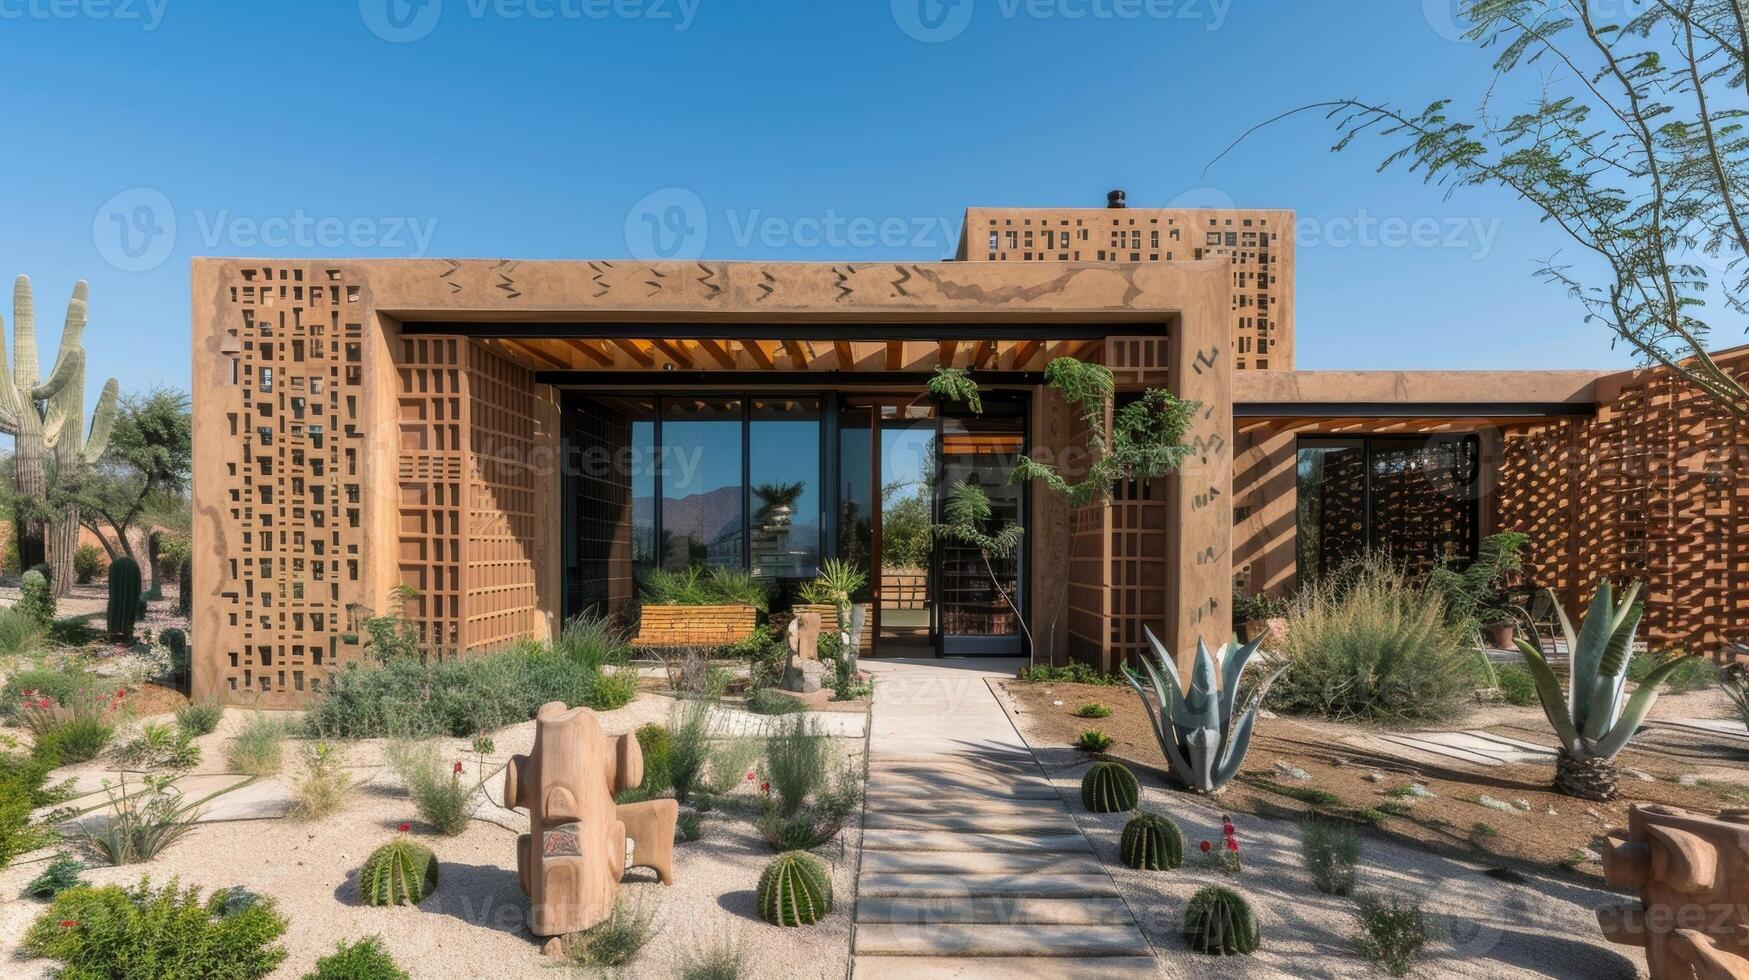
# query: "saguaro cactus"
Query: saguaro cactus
49,416
124,598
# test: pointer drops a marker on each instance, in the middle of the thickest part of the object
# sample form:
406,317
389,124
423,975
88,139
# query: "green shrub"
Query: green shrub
771,701
142,933
401,872
1366,645
323,785
1393,934
617,940
1695,674
21,790
140,824
725,959
688,827
1218,922
365,959
160,746
653,740
436,785
689,747
704,587
1074,672
590,641
62,873
1092,740
258,749
21,638
1093,710
199,718
89,562
1332,852
36,599
78,739
63,687
796,760
1516,685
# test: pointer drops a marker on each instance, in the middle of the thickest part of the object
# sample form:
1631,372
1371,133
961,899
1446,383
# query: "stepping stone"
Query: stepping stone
978,862
956,805
902,788
976,822
1001,968
1025,885
892,939
990,910
936,840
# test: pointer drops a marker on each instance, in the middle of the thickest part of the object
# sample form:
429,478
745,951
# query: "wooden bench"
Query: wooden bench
695,626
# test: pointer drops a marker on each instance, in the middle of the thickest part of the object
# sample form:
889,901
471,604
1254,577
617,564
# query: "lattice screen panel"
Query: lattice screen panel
500,572
432,480
295,342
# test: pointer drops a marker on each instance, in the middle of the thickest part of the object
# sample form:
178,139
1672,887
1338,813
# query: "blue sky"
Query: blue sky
546,128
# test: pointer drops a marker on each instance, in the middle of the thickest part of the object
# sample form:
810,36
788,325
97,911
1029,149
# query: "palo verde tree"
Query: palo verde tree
48,417
143,477
1630,139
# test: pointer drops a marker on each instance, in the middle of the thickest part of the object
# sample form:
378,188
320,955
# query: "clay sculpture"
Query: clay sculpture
1692,873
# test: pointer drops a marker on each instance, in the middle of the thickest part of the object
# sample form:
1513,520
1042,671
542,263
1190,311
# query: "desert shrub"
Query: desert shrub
730,761
591,641
36,600
199,718
403,698
1516,685
323,784
1073,672
1331,852
765,651
140,824
770,701
1393,933
695,586
22,778
1092,740
78,739
62,687
1695,674
438,791
61,874
720,959
1366,645
21,638
160,746
688,827
689,749
142,933
1093,710
79,729
653,741
796,759
88,563
258,749
815,820
365,959
618,939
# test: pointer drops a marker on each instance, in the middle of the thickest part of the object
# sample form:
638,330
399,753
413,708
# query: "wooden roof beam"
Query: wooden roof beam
637,351
718,353
676,351
757,350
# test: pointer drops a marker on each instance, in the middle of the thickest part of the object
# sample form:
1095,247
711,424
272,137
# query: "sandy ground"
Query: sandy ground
93,599
1540,926
473,925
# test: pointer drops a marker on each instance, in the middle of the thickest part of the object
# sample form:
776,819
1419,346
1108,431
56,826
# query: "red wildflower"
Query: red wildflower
45,703
405,827
69,924
1206,846
458,768
1232,845
765,788
28,693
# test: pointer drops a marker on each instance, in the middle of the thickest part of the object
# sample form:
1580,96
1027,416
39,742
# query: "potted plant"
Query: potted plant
1477,592
1261,617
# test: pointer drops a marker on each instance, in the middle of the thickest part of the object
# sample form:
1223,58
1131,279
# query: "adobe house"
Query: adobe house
519,440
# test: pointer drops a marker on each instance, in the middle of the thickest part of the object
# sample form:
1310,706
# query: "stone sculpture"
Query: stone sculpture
802,671
1692,873
570,862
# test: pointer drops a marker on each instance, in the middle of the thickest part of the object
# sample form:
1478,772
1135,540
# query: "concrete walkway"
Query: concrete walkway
972,865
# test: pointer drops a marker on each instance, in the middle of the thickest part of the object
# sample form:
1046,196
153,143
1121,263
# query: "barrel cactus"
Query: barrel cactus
1195,726
1152,843
124,598
1590,719
1109,787
1218,922
795,890
398,873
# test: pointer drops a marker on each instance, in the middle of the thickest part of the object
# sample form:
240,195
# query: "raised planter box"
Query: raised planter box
695,626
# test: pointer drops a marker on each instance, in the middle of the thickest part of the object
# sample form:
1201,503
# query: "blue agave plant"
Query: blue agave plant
1195,725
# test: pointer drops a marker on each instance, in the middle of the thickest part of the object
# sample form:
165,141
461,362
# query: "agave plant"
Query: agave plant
1195,726
1589,718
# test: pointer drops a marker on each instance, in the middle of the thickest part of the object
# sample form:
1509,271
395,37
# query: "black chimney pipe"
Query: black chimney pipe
1116,199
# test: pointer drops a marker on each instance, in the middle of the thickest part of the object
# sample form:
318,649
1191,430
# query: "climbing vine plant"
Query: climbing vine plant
1146,438
956,385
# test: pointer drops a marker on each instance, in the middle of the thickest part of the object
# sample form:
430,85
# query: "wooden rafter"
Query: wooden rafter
895,355
676,351
986,352
757,350
798,357
948,349
529,349
718,353
592,350
638,351
846,354
1023,353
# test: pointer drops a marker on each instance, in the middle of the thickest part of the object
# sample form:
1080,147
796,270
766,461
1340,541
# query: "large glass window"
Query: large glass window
611,500
856,489
703,494
1410,499
783,455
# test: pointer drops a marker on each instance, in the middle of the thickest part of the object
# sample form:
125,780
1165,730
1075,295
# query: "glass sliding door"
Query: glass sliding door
905,542
609,501
783,464
704,500
1332,505
1410,499
976,618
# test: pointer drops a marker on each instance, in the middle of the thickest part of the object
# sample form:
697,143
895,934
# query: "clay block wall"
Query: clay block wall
1656,488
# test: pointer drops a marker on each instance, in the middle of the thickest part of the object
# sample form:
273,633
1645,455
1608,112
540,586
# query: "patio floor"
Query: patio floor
972,865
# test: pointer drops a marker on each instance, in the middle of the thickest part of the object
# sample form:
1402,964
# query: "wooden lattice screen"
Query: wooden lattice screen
292,464
1656,488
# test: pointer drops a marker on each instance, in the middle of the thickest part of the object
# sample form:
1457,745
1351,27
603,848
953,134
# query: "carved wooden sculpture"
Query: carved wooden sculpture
1692,873
570,862
802,671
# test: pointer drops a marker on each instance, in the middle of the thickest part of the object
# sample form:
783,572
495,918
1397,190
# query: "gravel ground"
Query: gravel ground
473,925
